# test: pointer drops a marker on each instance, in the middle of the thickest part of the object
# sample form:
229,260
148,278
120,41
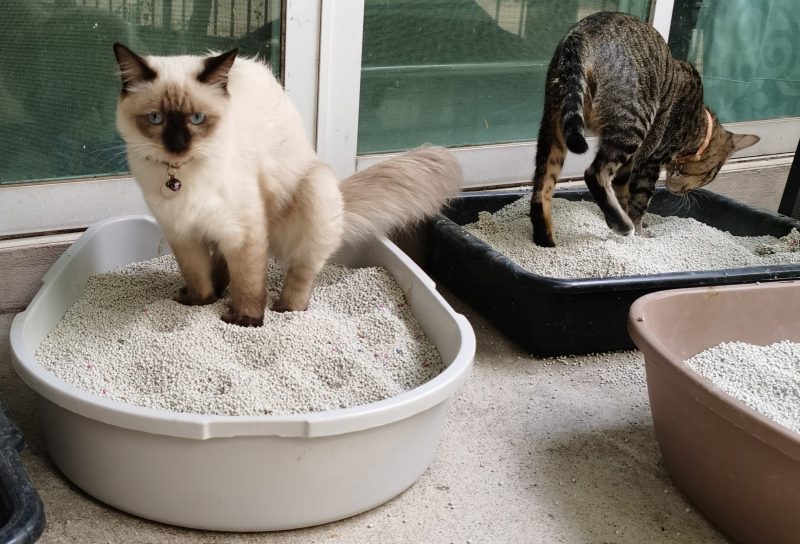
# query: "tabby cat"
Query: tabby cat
227,170
613,73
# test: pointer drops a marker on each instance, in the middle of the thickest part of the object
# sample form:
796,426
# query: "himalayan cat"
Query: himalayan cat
614,74
226,169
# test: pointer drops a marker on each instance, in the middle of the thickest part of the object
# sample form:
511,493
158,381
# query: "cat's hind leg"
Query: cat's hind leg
194,260
297,287
621,184
608,162
307,235
550,151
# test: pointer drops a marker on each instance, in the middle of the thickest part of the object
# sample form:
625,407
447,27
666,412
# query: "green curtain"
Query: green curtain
747,52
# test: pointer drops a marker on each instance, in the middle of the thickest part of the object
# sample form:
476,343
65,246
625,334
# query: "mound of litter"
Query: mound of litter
126,339
587,248
790,242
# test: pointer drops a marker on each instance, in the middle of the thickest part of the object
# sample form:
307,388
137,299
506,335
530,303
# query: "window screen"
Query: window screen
461,72
58,83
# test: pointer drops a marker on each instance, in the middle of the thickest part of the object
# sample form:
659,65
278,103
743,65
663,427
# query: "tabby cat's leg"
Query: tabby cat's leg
598,176
247,266
621,183
194,261
642,186
550,151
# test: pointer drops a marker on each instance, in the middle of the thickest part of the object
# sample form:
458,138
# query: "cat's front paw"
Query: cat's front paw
235,318
622,225
187,298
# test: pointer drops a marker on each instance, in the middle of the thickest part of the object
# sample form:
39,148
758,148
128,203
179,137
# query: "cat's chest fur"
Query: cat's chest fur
205,207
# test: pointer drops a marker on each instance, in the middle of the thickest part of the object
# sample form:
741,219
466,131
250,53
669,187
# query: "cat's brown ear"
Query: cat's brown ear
215,69
132,68
742,141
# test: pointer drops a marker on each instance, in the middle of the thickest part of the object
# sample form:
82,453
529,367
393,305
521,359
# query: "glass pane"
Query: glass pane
58,83
748,52
461,72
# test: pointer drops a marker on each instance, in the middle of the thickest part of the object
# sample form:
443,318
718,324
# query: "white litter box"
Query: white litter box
258,473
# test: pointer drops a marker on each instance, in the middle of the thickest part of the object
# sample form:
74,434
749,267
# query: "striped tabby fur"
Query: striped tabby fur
614,74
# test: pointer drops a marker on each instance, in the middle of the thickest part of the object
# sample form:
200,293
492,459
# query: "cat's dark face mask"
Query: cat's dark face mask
169,118
686,175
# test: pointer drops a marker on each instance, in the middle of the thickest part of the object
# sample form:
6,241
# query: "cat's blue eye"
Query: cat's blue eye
155,118
197,118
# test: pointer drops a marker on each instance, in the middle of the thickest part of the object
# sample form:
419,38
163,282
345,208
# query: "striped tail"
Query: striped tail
573,85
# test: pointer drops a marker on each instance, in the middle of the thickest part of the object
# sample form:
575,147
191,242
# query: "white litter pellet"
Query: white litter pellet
126,339
766,378
587,248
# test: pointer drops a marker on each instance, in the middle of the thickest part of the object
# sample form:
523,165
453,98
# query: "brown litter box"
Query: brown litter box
738,467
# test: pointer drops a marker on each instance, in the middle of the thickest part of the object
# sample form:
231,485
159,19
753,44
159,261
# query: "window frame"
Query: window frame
321,52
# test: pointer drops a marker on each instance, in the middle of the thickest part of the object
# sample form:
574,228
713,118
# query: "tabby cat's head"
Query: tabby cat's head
169,107
685,174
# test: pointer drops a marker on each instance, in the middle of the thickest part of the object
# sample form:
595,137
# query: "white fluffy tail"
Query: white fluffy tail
398,191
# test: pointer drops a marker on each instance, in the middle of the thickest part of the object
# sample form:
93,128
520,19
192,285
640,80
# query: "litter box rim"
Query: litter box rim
202,427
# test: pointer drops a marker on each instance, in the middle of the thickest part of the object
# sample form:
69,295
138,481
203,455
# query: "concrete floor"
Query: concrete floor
534,451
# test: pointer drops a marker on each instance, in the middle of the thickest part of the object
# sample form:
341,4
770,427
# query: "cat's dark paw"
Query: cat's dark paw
190,299
543,241
282,308
235,318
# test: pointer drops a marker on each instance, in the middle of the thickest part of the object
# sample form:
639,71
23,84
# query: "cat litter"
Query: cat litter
766,378
587,248
228,473
126,339
574,298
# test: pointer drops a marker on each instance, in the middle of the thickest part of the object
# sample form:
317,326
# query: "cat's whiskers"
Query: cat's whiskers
698,197
208,151
675,204
686,204
110,150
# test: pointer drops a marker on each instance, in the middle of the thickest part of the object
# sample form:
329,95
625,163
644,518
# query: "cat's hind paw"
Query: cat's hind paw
282,308
234,318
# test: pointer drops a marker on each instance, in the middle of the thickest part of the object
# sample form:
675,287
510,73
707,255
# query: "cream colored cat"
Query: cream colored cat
228,172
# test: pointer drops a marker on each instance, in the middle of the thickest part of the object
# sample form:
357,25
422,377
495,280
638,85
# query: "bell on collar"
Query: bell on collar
173,183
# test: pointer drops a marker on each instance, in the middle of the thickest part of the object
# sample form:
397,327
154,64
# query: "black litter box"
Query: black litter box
21,510
552,316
